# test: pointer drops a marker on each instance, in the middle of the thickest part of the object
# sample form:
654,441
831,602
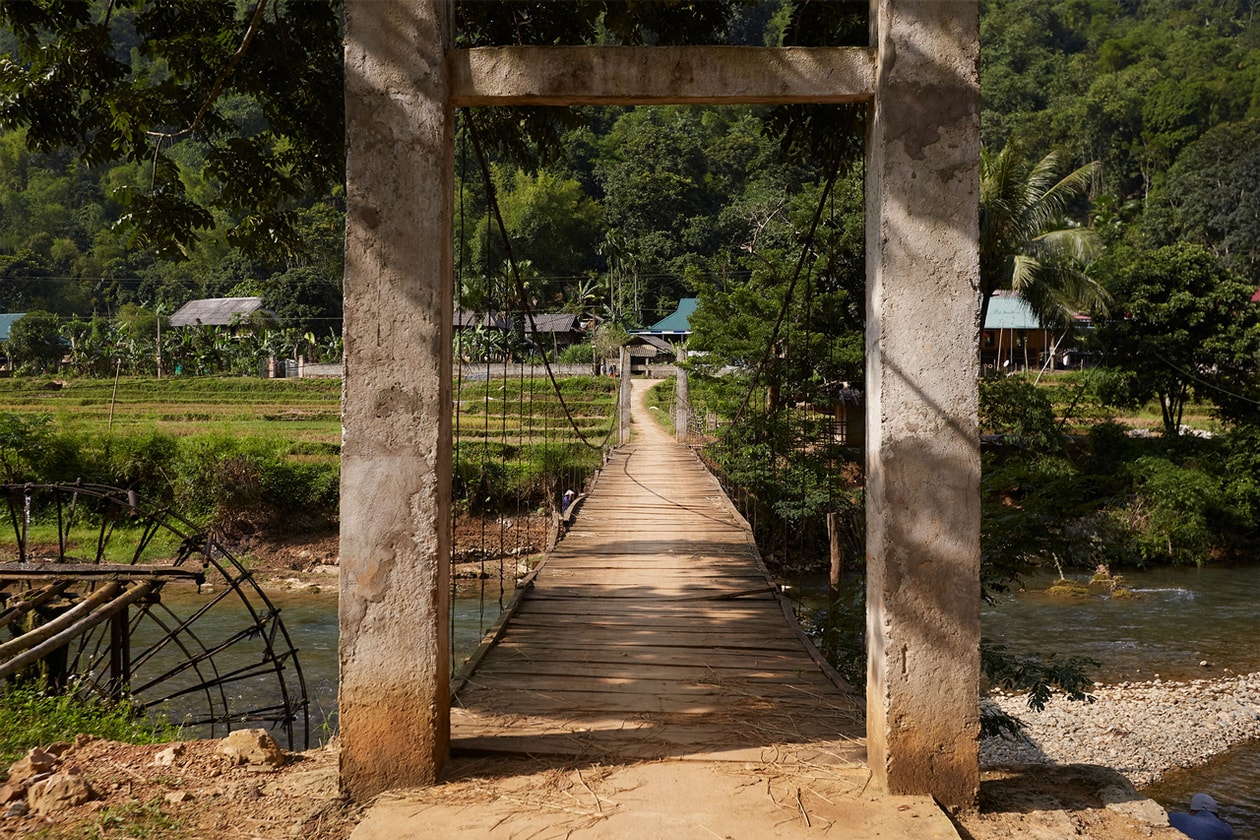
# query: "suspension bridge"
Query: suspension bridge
652,630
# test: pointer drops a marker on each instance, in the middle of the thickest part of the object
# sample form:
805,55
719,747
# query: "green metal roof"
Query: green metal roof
1007,312
677,322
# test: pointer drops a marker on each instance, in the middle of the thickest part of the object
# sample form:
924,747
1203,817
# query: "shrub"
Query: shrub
140,462
1242,468
576,354
32,718
230,482
1021,412
1174,510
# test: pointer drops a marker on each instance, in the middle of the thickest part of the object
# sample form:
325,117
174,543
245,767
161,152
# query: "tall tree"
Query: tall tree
550,223
1026,245
136,80
1212,196
1183,326
35,340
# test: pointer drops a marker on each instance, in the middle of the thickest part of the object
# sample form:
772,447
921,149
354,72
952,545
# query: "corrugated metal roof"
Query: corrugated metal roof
679,321
467,319
6,323
218,312
651,340
552,322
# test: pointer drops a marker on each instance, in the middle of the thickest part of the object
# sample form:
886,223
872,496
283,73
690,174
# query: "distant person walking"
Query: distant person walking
1201,823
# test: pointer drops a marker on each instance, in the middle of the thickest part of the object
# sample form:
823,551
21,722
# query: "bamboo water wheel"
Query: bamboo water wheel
104,597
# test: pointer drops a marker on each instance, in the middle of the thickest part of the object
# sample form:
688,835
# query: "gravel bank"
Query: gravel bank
1141,729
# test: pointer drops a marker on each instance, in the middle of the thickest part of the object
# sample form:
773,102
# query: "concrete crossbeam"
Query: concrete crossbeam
651,75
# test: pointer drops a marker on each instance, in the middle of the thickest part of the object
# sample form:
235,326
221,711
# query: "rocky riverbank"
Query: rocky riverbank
1142,729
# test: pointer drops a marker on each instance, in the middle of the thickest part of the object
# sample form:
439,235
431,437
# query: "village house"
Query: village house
239,314
1015,339
553,331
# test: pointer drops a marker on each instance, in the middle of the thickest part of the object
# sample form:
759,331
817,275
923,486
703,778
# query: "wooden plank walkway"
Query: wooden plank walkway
652,631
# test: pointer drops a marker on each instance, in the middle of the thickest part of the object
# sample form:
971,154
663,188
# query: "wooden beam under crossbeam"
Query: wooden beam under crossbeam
660,75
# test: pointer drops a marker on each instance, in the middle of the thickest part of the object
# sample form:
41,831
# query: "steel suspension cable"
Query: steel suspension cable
492,203
806,249
459,384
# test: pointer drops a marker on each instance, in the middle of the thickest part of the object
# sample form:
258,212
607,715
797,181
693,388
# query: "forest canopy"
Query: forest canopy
182,160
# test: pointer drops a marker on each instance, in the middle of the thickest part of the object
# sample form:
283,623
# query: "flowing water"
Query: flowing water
1184,617
311,620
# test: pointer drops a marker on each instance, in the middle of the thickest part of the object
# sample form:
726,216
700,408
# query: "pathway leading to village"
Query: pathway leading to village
653,631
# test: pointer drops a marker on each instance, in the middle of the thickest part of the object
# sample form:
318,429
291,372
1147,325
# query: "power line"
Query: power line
1188,375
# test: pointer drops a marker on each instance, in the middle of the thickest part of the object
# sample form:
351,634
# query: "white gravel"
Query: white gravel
1141,729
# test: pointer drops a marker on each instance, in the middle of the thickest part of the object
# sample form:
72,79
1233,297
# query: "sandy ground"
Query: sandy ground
198,795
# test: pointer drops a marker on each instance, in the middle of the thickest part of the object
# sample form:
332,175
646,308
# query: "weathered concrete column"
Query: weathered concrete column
923,464
396,410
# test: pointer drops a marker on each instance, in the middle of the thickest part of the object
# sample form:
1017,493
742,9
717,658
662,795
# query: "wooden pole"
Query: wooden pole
113,397
837,553
624,372
37,598
682,407
66,619
76,629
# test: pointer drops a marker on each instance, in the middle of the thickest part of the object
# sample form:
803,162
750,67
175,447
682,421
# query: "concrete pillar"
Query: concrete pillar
396,410
923,464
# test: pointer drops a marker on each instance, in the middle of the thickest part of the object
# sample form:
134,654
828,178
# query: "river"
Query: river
310,616
1183,617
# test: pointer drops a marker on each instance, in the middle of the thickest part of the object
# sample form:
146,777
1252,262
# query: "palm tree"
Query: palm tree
1026,246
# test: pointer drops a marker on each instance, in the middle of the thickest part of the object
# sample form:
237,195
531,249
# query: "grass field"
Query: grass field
298,409
514,437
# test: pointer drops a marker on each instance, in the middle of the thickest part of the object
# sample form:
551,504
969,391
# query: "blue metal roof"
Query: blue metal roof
6,323
1008,312
677,322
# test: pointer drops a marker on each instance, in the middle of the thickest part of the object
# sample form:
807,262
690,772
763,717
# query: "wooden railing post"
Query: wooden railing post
682,407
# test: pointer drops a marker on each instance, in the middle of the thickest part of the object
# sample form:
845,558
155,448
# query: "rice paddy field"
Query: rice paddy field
514,436
299,409
521,410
